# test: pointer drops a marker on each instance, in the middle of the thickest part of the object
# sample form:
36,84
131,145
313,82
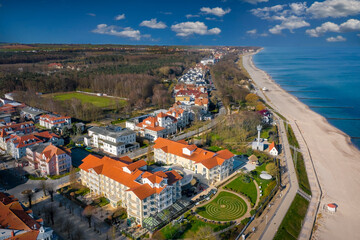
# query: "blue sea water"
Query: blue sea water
326,79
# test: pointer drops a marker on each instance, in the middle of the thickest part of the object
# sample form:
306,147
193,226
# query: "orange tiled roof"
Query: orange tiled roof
272,145
30,235
50,151
17,126
207,158
23,141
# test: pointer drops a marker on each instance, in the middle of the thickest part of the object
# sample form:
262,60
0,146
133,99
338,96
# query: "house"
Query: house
273,150
55,65
253,159
132,122
212,166
16,144
128,184
50,120
49,159
18,223
30,113
182,116
14,128
161,125
112,139
12,108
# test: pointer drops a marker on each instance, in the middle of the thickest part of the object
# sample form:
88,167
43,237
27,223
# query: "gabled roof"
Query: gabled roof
207,158
272,145
50,151
253,158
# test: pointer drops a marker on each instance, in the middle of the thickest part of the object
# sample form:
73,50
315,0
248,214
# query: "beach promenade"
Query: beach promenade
332,162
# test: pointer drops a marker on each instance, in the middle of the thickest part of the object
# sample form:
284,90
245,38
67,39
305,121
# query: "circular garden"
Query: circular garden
225,207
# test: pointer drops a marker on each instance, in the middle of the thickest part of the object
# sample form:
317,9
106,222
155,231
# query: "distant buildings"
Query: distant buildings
49,159
128,184
12,108
6,130
51,120
19,223
212,166
112,139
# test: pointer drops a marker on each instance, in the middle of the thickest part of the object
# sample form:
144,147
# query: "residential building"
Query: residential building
5,118
132,122
128,184
14,128
212,166
16,144
51,120
273,150
160,125
19,223
49,159
12,108
30,113
112,139
182,116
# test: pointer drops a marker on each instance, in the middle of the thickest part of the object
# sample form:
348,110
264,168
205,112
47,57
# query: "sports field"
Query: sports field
225,207
99,101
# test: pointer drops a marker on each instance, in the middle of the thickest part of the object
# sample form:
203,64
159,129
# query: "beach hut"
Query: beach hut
253,159
331,207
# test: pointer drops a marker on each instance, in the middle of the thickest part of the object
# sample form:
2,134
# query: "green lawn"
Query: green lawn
290,227
103,102
266,185
302,174
181,231
225,207
248,189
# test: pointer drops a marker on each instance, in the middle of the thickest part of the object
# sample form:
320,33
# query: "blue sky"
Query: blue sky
183,22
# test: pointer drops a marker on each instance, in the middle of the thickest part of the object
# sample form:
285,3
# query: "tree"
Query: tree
43,186
72,176
50,189
87,213
272,169
149,155
50,211
205,233
260,106
78,234
252,98
29,194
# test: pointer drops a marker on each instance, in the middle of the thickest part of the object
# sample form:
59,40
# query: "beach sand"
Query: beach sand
336,159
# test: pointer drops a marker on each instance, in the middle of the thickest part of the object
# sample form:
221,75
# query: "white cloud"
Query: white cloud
91,14
191,16
266,12
217,11
255,1
153,23
252,32
351,25
334,8
112,30
336,39
298,8
185,29
120,17
290,23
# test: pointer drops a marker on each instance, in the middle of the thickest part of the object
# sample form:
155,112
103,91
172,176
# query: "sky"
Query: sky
182,22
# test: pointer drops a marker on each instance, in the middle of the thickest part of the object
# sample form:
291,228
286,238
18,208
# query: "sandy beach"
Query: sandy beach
335,158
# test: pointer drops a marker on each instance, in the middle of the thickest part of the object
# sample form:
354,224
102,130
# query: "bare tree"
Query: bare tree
50,189
50,211
87,213
43,185
29,194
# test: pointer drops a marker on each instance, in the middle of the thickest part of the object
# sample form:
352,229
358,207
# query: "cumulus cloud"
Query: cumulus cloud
113,30
267,12
336,39
290,23
120,17
351,25
153,23
255,1
252,32
298,8
217,11
91,14
185,29
334,8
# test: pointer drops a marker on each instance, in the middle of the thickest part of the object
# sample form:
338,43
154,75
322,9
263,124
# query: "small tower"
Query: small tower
259,127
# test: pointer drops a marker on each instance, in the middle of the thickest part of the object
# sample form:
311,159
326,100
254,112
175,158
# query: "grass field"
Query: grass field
290,227
248,189
266,185
225,207
102,102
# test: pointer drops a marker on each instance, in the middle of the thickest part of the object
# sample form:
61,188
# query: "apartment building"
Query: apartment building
10,128
160,125
18,223
52,120
212,166
31,113
182,116
128,184
112,139
49,159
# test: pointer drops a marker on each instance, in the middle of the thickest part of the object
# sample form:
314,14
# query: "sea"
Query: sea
325,79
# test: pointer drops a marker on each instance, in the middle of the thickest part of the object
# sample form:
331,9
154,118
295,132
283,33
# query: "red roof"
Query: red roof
272,145
331,205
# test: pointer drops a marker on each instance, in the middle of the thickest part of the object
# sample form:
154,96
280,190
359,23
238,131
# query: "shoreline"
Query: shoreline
335,158
324,118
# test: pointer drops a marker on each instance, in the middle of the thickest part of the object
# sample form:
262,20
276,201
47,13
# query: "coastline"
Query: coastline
335,158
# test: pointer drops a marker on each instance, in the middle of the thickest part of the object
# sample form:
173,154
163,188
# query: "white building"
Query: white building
50,120
212,166
129,185
112,139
